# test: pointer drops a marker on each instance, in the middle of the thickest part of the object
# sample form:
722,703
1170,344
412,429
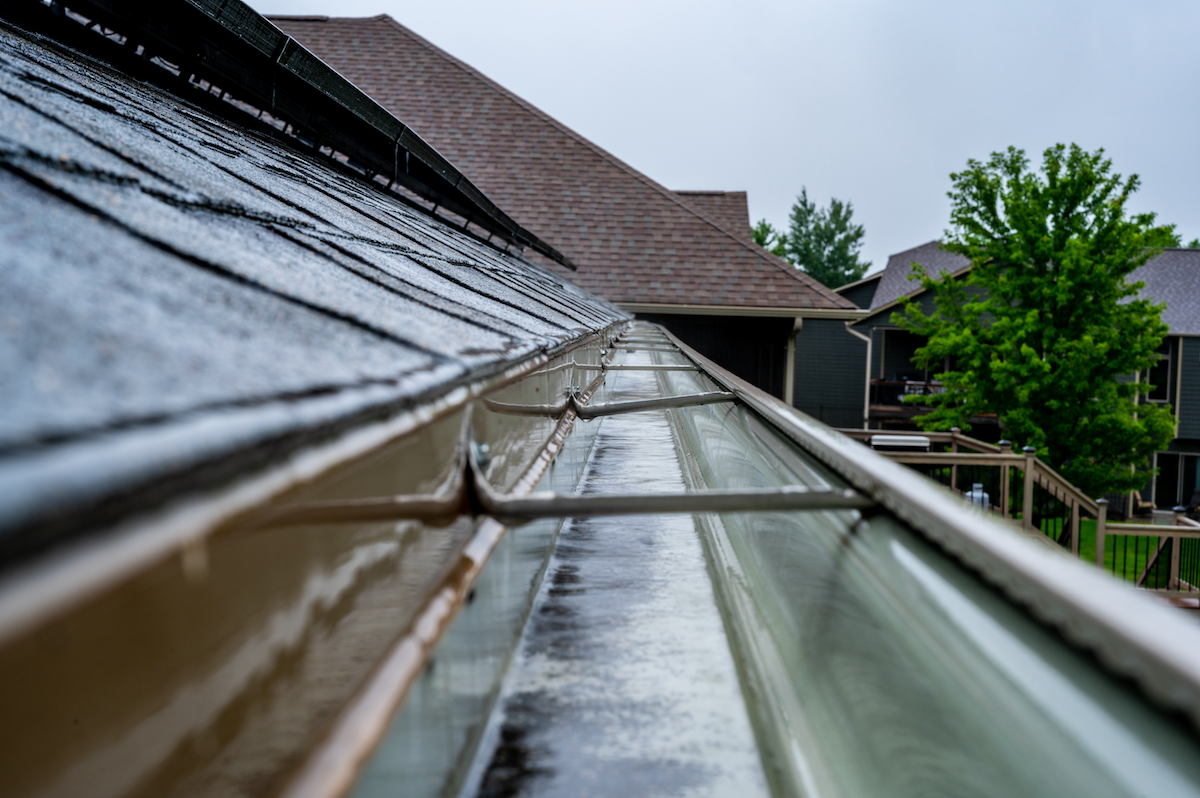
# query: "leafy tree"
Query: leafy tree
1049,323
1194,243
824,242
767,237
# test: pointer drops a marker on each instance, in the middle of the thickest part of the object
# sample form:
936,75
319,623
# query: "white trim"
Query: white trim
1178,380
876,276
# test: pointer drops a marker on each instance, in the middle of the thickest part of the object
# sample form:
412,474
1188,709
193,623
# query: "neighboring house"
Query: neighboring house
834,385
684,259
1173,278
892,373
830,361
831,357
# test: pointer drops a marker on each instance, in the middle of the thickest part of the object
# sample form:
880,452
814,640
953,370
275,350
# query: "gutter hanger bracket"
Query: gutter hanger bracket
615,408
473,495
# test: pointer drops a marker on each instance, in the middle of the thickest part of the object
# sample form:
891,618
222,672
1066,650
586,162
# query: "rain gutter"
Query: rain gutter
1131,635
47,586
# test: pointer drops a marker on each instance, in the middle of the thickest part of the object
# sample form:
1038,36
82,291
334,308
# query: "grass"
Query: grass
1124,555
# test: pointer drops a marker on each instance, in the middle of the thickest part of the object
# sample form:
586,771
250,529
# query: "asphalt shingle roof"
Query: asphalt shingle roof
632,239
176,293
1174,278
895,283
729,209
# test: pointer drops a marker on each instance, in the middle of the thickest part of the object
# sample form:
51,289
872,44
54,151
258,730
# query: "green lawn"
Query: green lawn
1123,555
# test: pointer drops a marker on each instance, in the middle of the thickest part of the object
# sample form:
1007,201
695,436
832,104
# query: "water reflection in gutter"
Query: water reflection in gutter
1091,722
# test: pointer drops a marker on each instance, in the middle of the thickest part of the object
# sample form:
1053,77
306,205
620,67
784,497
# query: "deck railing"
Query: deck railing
892,392
1162,558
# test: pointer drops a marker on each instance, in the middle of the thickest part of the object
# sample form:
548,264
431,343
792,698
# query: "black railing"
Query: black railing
988,477
1051,515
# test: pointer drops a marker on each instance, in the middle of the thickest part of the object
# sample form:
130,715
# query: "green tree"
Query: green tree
1046,322
767,237
824,241
1194,243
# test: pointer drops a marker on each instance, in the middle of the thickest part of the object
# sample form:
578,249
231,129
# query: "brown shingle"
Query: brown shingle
728,209
612,221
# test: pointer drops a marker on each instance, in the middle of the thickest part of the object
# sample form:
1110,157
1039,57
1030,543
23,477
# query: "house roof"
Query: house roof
632,239
894,282
183,301
1174,278
728,209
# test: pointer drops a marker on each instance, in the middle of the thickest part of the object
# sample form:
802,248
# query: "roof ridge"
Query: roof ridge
914,249
783,266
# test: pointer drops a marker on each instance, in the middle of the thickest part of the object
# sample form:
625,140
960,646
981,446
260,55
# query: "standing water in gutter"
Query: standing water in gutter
624,681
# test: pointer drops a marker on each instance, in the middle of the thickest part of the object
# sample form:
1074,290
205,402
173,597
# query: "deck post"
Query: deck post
1027,504
1101,523
954,431
1005,510
1176,547
1074,528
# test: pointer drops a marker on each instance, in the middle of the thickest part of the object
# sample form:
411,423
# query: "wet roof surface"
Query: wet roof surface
174,288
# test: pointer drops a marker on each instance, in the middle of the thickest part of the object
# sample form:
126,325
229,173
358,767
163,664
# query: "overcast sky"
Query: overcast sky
873,101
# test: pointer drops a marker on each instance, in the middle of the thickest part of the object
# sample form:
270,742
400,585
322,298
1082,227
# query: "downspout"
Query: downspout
867,381
789,367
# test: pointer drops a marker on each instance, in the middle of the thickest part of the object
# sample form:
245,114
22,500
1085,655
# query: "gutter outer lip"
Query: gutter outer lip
1132,635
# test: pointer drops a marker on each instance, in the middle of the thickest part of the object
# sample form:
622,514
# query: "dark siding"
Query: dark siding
898,351
876,351
862,295
830,373
925,301
754,349
1189,398
883,316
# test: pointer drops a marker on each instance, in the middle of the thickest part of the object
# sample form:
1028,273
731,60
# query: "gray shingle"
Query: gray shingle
895,283
1174,278
177,293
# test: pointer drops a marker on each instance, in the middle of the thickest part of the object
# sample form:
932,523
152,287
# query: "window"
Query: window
1160,375
1178,479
